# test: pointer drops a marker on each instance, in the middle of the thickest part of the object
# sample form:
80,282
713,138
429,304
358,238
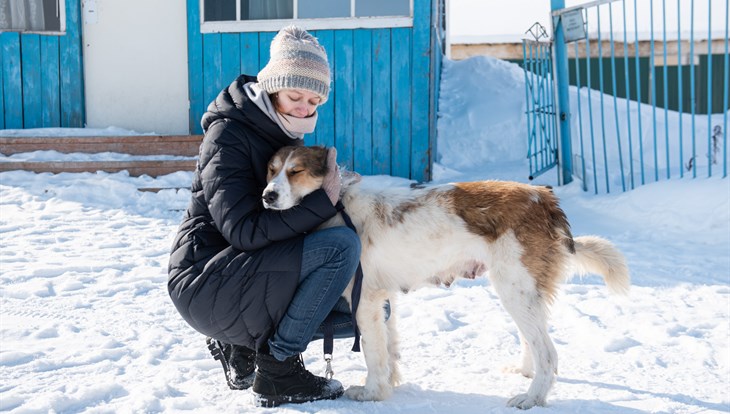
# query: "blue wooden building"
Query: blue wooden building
385,58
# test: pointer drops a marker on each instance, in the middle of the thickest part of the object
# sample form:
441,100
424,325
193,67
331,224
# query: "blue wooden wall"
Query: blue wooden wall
381,111
42,77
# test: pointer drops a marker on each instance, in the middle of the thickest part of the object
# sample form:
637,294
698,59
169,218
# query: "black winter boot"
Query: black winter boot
279,382
238,363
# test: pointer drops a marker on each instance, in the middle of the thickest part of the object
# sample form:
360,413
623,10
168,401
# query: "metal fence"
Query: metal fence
649,99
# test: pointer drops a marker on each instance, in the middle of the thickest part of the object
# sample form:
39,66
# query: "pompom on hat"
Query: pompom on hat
297,61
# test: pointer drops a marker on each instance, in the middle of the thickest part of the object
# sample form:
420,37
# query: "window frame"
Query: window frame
324,23
61,27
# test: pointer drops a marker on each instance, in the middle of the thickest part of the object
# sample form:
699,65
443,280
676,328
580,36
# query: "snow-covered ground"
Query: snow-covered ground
86,324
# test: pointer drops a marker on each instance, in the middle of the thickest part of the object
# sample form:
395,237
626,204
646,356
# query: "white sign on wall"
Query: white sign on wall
573,25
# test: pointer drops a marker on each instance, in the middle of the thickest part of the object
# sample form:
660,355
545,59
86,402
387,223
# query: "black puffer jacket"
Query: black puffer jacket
234,265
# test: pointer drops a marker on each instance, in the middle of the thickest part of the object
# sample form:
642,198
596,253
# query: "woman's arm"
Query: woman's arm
234,201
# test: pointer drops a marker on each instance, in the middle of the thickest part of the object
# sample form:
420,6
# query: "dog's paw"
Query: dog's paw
513,369
524,401
364,394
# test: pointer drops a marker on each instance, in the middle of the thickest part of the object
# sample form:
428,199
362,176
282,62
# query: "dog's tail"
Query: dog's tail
599,256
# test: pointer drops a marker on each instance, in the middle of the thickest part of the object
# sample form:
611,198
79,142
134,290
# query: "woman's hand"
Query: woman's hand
332,182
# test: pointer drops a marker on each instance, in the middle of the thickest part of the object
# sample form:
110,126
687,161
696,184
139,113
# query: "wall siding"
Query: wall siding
2,93
382,91
42,77
12,81
363,102
324,134
51,81
381,111
71,71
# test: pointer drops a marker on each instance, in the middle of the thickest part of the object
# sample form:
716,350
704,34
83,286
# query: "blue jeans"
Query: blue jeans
328,263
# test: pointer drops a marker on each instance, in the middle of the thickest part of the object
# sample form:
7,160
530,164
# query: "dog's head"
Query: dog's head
293,173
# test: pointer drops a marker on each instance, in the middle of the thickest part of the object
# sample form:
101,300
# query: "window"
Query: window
37,16
272,15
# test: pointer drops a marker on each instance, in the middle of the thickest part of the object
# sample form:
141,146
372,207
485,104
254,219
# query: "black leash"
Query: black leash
328,325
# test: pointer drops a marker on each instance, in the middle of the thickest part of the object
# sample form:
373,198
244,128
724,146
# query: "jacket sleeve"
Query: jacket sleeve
234,201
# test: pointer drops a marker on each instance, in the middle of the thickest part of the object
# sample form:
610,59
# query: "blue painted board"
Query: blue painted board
249,53
12,81
212,74
2,101
421,92
230,58
30,59
343,98
401,102
50,82
436,57
362,102
72,74
265,39
324,134
195,68
381,102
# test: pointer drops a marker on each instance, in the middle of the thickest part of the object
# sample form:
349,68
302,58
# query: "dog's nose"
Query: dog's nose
270,197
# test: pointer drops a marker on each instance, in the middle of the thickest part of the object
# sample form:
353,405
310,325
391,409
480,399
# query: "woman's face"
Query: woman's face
297,102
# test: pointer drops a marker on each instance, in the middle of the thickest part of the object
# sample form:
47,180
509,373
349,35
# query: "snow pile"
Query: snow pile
86,324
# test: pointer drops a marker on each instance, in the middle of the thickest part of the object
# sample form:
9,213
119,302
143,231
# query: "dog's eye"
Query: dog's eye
294,172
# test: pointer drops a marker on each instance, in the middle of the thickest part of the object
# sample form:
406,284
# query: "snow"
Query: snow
86,324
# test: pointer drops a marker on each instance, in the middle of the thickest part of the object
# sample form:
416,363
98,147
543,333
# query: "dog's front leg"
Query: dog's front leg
371,321
393,345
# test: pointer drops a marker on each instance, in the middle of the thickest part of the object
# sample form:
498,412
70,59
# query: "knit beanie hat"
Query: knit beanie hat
297,61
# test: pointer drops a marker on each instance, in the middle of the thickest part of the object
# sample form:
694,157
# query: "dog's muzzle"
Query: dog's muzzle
269,198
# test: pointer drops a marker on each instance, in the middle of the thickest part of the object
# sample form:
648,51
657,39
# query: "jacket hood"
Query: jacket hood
233,103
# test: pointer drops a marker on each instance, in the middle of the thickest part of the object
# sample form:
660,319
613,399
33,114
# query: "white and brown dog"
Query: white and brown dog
412,237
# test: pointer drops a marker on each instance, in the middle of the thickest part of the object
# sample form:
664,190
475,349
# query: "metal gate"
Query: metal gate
650,90
542,133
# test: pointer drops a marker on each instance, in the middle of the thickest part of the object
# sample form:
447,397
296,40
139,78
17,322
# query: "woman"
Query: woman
258,282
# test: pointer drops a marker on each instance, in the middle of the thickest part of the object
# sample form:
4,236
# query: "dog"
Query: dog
411,237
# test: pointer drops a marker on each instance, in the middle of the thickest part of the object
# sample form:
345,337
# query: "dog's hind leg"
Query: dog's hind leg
526,367
370,320
518,292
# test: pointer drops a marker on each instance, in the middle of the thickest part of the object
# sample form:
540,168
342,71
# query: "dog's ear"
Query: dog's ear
349,177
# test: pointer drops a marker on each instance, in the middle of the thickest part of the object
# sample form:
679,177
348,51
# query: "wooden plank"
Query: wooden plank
343,98
435,81
265,39
30,59
230,58
51,103
212,80
381,102
401,102
363,102
152,168
195,68
72,74
249,53
420,77
2,89
12,81
325,132
183,145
